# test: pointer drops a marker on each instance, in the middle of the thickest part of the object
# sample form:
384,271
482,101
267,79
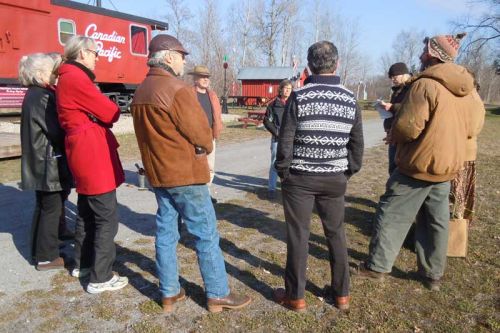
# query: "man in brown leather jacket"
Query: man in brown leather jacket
430,130
174,138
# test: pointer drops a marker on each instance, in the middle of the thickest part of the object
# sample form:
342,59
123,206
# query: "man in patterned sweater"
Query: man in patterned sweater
320,146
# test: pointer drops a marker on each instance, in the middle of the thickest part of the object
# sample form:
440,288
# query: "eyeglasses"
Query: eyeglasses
94,52
183,55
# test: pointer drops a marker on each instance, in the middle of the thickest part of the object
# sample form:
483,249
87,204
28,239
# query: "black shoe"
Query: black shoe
271,195
432,284
214,201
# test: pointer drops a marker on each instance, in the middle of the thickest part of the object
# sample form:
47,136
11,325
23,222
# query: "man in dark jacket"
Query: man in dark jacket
272,122
320,146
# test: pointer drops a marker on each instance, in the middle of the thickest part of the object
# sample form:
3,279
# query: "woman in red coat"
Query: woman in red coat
91,148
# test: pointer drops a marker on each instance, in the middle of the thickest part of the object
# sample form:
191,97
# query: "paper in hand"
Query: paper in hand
383,113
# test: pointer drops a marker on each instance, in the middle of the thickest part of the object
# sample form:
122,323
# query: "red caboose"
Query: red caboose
28,26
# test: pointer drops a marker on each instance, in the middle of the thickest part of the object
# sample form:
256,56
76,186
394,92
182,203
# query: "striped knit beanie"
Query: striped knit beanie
444,47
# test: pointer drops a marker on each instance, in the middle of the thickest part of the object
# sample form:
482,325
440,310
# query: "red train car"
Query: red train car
28,26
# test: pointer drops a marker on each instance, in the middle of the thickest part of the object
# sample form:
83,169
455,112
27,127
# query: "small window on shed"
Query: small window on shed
66,30
138,38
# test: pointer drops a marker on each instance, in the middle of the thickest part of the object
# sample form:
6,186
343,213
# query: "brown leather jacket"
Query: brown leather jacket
434,122
169,123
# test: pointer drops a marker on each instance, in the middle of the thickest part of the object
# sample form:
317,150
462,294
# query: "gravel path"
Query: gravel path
240,167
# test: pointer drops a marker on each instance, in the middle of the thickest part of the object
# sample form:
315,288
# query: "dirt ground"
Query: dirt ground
253,241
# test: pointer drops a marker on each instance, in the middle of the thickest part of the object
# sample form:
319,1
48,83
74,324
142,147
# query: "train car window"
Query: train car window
139,40
66,30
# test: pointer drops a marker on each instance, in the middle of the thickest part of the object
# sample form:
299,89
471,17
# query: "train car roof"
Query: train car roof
158,25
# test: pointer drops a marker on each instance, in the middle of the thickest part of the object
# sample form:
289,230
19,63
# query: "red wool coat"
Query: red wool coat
91,147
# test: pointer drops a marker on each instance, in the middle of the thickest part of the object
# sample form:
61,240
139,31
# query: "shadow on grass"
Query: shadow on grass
239,182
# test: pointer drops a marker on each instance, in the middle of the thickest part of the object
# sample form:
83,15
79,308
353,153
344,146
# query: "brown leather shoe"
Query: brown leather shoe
57,263
297,305
168,302
342,303
233,301
364,272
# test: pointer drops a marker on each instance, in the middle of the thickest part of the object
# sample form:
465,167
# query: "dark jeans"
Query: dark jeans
300,193
96,228
392,158
45,226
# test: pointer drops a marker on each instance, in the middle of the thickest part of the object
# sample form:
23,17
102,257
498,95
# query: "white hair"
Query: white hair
30,65
75,44
157,58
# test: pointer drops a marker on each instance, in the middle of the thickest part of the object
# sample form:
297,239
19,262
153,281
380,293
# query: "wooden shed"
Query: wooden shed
261,84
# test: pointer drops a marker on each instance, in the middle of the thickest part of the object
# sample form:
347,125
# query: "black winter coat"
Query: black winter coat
273,117
43,162
397,96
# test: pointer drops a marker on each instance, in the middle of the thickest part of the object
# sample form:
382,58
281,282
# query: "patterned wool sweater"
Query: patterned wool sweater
322,131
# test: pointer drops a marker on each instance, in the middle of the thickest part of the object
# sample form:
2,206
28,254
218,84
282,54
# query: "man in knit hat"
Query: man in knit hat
435,113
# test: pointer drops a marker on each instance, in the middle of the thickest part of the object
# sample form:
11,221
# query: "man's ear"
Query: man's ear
337,67
168,58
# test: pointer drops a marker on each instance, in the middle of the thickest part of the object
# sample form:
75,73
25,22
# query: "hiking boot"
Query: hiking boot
362,271
57,263
214,201
297,305
80,272
116,282
233,301
168,302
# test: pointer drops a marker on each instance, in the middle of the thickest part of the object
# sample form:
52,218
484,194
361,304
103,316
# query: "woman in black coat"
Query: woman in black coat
43,161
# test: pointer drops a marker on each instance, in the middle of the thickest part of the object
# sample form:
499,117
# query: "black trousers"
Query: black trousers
96,228
300,193
45,225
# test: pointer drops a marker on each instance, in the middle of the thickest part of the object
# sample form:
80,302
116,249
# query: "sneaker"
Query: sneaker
116,282
57,263
80,273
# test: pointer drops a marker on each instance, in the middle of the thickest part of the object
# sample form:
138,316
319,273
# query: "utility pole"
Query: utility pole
224,98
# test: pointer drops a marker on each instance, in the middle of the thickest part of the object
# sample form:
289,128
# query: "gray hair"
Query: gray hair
156,59
322,57
75,44
30,65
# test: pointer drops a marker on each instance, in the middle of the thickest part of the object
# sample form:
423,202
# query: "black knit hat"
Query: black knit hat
398,68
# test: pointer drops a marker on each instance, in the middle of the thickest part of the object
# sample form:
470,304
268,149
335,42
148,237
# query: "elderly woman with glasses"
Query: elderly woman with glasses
43,162
87,116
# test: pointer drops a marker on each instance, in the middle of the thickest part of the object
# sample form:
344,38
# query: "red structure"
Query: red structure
261,84
29,26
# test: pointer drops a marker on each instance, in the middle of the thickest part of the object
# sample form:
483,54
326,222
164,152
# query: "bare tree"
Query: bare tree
211,45
179,17
242,35
269,25
288,30
346,33
407,47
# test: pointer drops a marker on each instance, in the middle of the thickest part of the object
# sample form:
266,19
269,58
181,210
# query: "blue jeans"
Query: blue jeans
273,174
192,203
